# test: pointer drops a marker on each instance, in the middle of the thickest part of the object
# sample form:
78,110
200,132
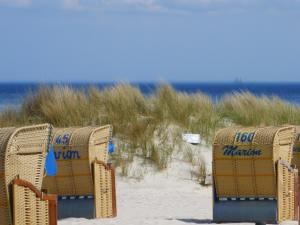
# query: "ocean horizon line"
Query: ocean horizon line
149,82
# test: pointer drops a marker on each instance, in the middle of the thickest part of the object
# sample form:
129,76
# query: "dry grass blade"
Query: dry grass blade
143,121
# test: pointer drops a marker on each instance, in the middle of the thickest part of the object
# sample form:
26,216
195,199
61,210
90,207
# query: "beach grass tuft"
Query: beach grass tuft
148,126
244,108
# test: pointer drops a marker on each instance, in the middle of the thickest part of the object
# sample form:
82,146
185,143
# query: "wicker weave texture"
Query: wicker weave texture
105,198
28,208
244,160
75,150
5,134
296,152
286,189
22,155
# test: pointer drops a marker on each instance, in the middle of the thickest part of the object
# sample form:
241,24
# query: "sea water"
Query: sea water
11,94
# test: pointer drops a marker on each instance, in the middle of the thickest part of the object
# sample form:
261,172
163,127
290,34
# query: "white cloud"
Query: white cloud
16,2
149,4
235,5
112,4
71,4
175,5
159,5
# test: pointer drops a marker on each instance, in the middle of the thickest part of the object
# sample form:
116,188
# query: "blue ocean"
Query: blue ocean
11,94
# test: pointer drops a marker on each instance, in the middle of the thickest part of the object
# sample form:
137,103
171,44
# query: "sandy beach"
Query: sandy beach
170,197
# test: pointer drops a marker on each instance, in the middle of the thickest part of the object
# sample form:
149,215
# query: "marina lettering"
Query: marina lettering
230,150
70,154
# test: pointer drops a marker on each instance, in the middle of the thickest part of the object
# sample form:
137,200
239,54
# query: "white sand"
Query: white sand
158,199
164,198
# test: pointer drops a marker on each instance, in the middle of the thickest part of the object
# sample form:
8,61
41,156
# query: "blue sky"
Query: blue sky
149,40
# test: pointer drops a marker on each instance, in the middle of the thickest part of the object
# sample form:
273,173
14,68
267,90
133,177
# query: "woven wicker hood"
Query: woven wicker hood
22,154
244,160
75,150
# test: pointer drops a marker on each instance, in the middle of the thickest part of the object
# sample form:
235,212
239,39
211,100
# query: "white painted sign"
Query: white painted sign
191,138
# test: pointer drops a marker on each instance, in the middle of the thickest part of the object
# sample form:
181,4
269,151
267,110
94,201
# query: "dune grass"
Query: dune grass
147,126
247,109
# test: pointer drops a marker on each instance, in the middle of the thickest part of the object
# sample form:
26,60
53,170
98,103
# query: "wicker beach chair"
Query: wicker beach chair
85,183
22,158
296,152
253,179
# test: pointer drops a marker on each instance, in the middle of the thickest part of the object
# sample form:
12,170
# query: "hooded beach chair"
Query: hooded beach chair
85,182
252,175
22,161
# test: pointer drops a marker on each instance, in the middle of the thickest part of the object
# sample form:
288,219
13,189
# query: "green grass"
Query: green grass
147,126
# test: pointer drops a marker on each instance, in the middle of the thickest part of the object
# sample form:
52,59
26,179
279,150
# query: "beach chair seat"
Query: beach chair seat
85,182
22,155
252,167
